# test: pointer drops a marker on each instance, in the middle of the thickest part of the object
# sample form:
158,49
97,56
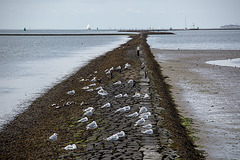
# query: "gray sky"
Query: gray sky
128,14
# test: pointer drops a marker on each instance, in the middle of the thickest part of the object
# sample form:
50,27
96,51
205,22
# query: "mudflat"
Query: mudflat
208,95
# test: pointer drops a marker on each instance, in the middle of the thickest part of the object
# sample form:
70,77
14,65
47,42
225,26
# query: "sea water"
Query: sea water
32,64
200,40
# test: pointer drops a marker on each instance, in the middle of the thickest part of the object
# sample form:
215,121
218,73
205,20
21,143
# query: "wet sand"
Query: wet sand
209,95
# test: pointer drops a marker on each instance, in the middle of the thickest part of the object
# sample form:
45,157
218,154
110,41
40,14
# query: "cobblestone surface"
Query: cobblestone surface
135,145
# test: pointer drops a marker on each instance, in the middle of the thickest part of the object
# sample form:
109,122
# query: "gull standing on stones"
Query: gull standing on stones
71,92
135,114
137,95
113,138
88,109
85,87
125,95
53,137
121,134
71,147
106,105
146,96
140,122
127,65
85,119
92,125
149,131
102,92
88,113
117,83
143,110
148,126
92,85
94,79
99,88
119,96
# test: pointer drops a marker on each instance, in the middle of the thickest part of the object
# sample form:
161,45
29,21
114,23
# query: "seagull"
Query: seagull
125,95
71,147
119,68
94,79
88,113
149,131
148,126
121,134
130,81
85,119
106,105
143,110
85,87
127,65
99,88
102,92
88,109
147,113
53,137
82,80
135,114
117,83
113,138
146,96
140,122
127,108
121,110
137,95
93,84
118,96
71,92
92,125
144,116
89,90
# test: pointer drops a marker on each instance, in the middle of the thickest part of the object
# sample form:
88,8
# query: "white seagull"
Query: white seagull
92,125
53,137
148,126
137,95
149,131
140,122
71,147
135,114
143,110
118,83
119,96
71,92
106,105
102,92
85,119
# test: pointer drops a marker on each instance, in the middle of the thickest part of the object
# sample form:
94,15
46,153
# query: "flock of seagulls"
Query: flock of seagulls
142,115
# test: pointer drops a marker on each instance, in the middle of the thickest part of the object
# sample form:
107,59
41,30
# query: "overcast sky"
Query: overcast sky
128,14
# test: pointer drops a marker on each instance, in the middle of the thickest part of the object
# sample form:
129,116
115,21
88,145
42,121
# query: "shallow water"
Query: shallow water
227,62
29,65
197,39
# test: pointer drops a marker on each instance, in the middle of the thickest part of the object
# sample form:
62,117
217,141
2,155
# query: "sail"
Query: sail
88,27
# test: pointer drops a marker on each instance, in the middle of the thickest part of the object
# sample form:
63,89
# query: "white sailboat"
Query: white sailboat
88,27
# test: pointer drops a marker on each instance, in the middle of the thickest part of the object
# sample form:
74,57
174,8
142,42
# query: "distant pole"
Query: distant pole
185,22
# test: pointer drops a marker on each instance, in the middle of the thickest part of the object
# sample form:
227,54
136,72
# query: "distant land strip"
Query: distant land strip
111,34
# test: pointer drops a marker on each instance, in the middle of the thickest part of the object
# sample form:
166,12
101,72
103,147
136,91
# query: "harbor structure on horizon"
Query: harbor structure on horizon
230,26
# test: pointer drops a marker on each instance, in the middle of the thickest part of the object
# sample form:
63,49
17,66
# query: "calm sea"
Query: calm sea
31,64
197,39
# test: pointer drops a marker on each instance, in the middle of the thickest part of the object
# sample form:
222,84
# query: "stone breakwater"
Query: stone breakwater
62,110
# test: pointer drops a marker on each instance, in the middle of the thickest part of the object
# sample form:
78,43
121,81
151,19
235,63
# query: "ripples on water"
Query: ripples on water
198,39
30,64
